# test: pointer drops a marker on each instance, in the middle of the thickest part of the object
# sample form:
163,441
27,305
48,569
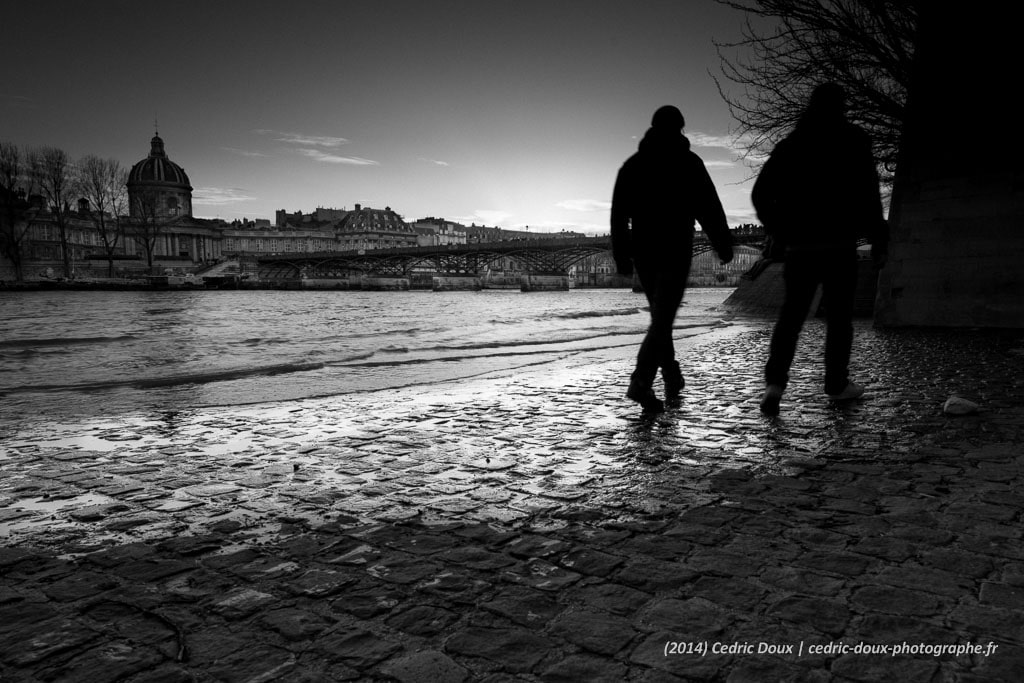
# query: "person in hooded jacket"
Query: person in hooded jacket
659,192
817,194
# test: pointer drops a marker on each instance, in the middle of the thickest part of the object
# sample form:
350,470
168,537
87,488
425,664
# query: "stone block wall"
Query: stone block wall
957,212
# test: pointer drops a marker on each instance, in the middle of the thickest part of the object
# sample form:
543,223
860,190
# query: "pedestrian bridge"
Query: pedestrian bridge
542,256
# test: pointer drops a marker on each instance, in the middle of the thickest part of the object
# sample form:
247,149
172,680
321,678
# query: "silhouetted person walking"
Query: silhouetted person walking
817,194
659,193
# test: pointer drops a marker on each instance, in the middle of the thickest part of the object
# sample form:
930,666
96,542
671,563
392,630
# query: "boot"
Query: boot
852,391
674,382
644,395
771,400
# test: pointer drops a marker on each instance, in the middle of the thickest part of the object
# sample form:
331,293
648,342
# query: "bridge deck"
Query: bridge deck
542,255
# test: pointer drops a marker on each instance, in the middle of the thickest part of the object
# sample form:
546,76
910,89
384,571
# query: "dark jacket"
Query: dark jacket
659,192
819,189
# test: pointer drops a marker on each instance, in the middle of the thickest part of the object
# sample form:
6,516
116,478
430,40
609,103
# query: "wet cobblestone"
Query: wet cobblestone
536,528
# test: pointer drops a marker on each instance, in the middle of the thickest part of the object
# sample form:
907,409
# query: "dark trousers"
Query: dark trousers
664,286
836,271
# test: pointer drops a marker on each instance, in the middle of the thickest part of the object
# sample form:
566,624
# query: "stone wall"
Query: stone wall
958,202
443,283
40,270
544,283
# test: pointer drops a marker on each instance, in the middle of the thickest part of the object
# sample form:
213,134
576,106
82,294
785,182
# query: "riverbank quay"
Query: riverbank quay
535,527
377,284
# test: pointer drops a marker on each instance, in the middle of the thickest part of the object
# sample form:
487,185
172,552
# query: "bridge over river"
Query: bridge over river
551,256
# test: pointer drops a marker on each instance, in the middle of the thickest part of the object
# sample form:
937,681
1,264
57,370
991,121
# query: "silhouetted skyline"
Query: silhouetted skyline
508,114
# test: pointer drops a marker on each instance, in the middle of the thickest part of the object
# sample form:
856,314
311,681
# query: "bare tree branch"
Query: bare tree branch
103,183
16,212
147,226
787,47
51,171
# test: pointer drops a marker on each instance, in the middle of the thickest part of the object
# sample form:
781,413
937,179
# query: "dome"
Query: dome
157,169
158,187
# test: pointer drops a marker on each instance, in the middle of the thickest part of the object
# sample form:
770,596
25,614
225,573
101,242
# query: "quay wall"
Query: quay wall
544,283
456,283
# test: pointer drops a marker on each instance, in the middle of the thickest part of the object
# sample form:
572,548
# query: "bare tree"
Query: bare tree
790,46
103,183
16,212
147,226
51,171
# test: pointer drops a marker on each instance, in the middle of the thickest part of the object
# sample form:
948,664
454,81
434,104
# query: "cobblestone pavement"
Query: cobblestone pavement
537,528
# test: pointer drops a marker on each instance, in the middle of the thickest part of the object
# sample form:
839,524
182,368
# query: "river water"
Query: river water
70,354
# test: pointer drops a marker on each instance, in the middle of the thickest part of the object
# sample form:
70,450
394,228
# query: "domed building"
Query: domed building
163,229
158,186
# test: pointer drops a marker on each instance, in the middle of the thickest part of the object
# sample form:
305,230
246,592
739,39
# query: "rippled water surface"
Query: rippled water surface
109,353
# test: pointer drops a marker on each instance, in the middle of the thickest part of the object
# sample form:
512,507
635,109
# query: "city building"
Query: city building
157,185
159,231
258,237
366,228
482,233
161,234
433,232
320,215
160,222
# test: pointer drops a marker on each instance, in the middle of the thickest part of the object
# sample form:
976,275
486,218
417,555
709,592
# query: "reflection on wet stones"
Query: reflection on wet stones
602,535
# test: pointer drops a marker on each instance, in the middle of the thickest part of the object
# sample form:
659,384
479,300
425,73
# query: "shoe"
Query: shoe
771,399
674,382
851,392
645,397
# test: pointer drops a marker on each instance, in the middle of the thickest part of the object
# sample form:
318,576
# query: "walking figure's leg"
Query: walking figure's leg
801,283
839,285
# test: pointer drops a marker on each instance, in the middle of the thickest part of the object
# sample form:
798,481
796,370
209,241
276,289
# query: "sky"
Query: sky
515,114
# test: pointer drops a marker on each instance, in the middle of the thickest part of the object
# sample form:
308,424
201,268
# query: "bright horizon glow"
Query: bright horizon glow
508,115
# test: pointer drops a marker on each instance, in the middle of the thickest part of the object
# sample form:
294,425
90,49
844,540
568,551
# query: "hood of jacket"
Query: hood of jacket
660,143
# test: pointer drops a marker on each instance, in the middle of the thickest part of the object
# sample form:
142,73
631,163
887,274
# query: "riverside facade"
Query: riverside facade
160,232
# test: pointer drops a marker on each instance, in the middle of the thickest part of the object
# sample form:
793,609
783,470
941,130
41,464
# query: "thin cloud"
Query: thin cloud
486,217
719,141
243,152
584,205
312,140
725,142
303,139
307,146
326,158
436,162
218,196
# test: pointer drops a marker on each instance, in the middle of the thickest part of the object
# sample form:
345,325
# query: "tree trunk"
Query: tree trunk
19,270
65,253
